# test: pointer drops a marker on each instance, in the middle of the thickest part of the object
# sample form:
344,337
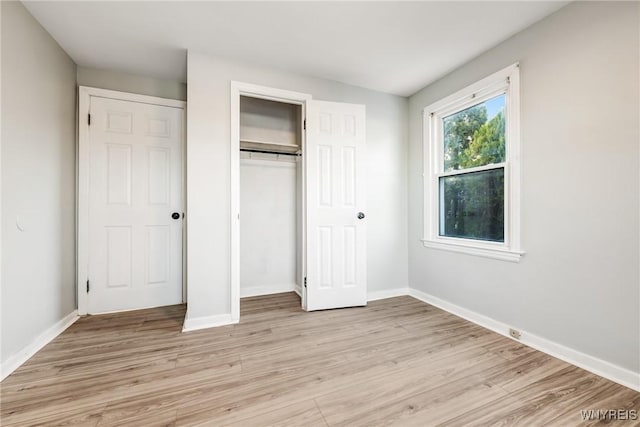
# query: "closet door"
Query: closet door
336,224
135,205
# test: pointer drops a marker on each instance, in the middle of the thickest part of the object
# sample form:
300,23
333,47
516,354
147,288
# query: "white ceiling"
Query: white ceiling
395,47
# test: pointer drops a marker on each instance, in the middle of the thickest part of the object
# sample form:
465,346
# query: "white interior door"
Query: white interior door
336,231
135,205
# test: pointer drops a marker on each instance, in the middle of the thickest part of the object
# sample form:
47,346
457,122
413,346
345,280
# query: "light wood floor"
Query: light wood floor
396,362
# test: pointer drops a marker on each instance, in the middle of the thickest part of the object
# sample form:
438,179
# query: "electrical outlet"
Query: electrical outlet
514,333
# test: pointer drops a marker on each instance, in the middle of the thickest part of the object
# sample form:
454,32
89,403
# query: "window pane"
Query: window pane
472,205
475,136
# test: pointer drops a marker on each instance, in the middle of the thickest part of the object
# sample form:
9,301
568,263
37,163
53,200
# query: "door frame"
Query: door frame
263,92
82,180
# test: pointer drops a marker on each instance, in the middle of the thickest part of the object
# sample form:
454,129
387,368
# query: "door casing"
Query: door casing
82,181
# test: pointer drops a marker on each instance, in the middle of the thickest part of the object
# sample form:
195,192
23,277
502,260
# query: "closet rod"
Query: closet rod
246,150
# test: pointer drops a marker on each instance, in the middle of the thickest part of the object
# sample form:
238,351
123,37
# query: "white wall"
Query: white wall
578,284
38,181
268,205
133,83
208,175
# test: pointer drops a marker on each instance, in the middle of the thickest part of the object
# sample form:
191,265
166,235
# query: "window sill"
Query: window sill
494,253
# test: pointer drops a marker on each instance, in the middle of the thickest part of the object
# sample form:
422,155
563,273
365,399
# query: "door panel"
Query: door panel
336,238
135,174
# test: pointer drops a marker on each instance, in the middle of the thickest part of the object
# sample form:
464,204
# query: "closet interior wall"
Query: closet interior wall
270,197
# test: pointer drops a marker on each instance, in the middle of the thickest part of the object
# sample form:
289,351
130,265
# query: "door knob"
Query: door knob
360,215
175,215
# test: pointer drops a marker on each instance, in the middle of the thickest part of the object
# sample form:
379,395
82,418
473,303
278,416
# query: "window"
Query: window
472,169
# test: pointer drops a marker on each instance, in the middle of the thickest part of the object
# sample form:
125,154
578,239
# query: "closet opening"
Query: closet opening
270,195
269,233
298,198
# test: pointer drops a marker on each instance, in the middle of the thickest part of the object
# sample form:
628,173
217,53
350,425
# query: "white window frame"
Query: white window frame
505,81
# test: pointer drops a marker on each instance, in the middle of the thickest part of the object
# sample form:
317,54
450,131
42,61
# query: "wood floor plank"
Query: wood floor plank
383,399
540,403
305,413
156,418
397,361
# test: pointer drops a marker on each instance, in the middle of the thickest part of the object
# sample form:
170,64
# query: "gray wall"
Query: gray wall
133,83
578,284
208,176
38,180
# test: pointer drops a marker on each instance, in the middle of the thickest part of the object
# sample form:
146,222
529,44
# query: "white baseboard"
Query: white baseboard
197,323
592,364
15,361
387,293
255,291
298,290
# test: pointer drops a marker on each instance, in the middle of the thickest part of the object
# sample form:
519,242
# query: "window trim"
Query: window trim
505,81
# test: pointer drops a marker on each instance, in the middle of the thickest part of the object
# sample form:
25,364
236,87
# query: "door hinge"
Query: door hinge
87,285
89,119
305,282
304,124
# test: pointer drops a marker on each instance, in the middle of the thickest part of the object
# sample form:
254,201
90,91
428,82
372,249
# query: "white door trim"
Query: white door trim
82,173
255,91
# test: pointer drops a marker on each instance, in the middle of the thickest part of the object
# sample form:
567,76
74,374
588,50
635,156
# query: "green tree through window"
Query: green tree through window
487,144
472,204
459,130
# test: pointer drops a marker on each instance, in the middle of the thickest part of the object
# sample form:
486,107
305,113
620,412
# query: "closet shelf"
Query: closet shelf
268,145
257,141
